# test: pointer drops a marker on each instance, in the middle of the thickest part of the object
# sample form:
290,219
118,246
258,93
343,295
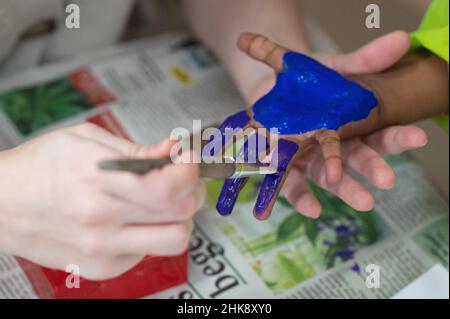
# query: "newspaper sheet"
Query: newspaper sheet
142,91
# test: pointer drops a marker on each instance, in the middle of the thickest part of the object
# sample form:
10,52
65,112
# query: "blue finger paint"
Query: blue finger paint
231,187
269,187
308,96
235,121
228,195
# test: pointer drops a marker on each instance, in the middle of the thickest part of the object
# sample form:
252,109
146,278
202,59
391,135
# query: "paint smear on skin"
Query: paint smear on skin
308,96
231,187
286,150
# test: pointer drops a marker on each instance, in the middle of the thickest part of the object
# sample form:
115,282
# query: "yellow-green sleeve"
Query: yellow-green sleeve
432,34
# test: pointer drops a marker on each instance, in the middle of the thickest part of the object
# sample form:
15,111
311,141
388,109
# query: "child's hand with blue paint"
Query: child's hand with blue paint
409,87
308,104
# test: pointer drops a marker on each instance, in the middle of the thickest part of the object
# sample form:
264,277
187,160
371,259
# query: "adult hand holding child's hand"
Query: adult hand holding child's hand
324,161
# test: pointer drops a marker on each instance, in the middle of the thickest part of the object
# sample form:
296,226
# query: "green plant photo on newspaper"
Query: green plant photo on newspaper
34,108
297,247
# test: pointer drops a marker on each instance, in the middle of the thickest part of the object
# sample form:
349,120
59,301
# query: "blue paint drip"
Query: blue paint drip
308,96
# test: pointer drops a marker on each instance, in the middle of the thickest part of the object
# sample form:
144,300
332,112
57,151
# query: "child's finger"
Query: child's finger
297,192
348,189
230,191
351,192
227,129
272,184
329,142
262,49
396,139
216,147
229,194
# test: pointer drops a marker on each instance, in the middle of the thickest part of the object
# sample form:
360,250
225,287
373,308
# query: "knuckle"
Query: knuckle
94,245
187,208
92,214
352,146
87,128
328,138
165,193
134,150
189,174
335,157
269,49
259,41
180,236
130,181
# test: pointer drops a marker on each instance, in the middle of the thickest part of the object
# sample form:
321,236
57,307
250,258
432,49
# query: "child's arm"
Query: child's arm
227,19
413,89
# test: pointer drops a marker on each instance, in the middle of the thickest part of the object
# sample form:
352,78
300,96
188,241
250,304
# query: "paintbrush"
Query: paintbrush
230,169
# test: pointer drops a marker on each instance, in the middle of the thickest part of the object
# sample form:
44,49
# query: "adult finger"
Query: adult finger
396,139
375,56
123,146
158,189
181,210
157,240
361,158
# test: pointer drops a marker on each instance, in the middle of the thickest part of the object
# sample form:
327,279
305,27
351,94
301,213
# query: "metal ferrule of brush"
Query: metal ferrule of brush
246,170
